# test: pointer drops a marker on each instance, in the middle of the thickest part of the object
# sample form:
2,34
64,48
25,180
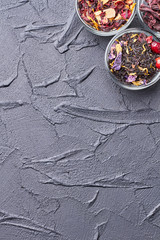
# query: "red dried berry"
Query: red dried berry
158,62
155,47
149,39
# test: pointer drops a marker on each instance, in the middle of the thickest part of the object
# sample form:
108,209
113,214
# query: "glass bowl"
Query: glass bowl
109,33
140,14
155,78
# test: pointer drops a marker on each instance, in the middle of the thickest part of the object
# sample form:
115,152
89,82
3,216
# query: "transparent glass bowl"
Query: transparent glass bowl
155,78
110,33
140,14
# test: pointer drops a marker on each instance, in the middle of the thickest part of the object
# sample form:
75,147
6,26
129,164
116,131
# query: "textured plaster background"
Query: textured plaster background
79,157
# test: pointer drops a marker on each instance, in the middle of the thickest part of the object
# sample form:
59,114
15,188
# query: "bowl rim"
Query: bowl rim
139,15
156,77
110,33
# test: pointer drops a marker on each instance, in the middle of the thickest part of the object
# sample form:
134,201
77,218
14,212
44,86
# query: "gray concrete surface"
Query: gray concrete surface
79,157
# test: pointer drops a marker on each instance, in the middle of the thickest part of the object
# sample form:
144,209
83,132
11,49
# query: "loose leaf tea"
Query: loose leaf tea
151,15
106,15
132,60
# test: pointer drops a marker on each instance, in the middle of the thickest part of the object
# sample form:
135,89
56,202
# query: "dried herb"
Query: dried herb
151,15
131,59
106,15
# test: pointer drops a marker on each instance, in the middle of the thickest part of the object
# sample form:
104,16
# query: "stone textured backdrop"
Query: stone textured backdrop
79,157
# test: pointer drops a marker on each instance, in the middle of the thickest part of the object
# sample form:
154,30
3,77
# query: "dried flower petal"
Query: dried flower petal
151,16
111,56
118,48
138,83
131,78
105,15
131,59
118,62
149,39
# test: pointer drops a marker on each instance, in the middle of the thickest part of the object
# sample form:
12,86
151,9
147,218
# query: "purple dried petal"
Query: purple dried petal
144,81
118,62
113,47
131,78
111,56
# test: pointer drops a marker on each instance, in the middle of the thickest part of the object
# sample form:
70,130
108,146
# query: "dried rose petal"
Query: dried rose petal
119,4
105,15
149,39
151,14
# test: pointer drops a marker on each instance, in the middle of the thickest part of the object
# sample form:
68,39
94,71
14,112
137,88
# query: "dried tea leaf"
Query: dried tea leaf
130,66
